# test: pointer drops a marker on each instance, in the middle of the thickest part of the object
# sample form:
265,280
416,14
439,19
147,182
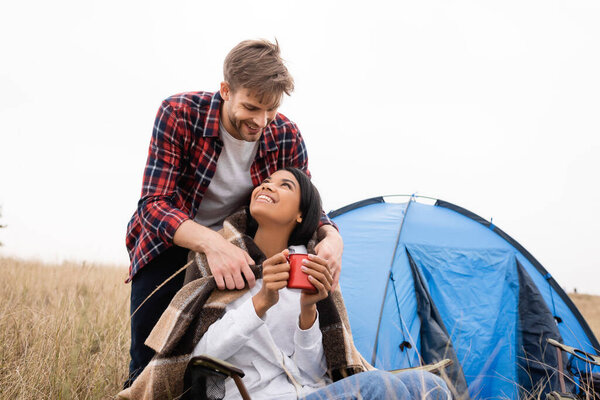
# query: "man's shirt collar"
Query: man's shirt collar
211,125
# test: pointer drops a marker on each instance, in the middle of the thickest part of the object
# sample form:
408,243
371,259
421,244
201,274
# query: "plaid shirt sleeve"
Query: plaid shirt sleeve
156,210
299,159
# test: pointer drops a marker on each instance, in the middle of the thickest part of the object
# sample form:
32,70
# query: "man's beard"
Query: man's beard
238,125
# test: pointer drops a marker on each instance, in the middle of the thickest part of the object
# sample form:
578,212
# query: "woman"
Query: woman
290,343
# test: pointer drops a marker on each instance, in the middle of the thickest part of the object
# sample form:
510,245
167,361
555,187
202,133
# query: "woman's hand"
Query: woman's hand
318,274
276,271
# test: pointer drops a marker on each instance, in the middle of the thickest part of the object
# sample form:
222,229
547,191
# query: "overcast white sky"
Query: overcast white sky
489,105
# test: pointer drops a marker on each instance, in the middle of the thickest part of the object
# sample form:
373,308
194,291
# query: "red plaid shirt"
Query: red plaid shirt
182,160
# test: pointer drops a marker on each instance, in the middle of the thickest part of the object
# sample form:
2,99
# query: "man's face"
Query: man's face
244,115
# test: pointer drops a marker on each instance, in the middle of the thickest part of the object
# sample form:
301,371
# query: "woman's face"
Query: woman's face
277,200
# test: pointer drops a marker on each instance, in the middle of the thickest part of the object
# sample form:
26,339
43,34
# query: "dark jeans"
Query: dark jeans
144,282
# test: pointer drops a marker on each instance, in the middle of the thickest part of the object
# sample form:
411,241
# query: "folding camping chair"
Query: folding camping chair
205,377
589,382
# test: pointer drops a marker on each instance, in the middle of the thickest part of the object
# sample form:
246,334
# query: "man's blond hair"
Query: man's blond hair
257,66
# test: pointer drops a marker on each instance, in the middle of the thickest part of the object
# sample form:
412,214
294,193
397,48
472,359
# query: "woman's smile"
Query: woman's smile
265,198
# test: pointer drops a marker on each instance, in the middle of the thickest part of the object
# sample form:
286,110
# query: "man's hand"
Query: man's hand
276,272
226,261
330,248
318,274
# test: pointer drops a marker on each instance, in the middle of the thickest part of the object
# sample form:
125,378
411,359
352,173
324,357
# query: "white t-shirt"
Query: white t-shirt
231,185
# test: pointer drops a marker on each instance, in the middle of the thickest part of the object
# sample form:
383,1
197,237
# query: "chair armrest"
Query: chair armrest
582,355
204,364
217,365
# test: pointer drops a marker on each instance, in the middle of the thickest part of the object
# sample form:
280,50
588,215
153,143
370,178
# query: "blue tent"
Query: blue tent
424,282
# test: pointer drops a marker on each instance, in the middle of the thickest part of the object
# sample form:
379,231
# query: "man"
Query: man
207,152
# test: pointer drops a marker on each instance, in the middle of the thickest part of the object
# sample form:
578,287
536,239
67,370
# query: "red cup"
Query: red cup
298,279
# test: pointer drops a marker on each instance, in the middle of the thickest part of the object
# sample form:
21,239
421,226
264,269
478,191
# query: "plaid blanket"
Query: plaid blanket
198,305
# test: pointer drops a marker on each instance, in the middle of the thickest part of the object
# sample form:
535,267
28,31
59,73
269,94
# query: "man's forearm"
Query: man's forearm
331,247
325,230
193,236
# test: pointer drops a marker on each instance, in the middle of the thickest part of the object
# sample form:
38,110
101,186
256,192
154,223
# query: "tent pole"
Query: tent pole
402,324
387,283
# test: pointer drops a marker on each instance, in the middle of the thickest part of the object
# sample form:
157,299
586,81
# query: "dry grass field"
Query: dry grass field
64,329
589,306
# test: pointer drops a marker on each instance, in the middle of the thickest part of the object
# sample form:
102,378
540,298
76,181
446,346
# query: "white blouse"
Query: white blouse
261,347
